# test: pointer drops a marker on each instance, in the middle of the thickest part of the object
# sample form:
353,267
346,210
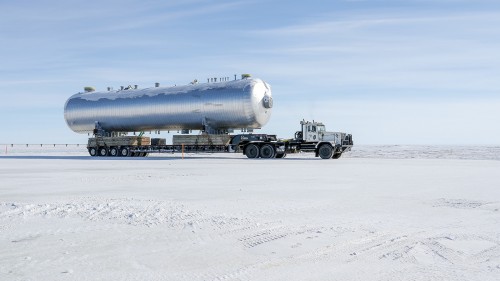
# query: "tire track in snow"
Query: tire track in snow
465,204
122,211
416,248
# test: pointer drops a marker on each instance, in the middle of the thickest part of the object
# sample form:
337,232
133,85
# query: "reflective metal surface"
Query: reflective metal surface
245,103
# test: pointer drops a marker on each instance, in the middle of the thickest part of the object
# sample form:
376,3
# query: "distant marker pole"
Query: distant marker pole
182,151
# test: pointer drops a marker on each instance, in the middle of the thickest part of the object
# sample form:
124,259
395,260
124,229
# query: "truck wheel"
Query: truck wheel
113,151
93,151
281,155
124,152
252,151
336,156
267,151
325,151
103,151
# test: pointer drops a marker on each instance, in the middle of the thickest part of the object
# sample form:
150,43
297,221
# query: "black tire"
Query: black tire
325,151
252,151
93,151
281,155
113,151
267,151
103,151
124,152
336,155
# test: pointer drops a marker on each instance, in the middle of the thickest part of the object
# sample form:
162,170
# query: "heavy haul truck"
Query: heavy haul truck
311,138
214,108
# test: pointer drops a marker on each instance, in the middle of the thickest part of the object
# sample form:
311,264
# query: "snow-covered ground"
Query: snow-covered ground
377,213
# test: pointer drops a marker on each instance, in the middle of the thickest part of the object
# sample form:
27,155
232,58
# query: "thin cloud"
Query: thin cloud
170,16
363,22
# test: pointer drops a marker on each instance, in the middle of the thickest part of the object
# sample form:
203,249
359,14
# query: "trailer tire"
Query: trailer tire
325,151
267,151
124,152
252,151
93,151
113,151
103,151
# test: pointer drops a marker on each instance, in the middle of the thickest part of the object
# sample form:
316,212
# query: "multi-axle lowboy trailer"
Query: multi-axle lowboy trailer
143,146
311,138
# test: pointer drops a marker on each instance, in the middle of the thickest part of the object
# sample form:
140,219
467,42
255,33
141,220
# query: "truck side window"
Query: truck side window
313,129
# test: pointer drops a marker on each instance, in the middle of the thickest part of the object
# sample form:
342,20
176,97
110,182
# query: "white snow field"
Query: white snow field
393,213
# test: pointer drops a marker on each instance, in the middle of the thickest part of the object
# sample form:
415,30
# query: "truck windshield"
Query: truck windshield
321,128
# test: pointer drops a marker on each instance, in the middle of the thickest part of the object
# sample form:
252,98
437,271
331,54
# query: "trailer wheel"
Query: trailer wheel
103,151
252,151
93,151
267,151
336,155
325,151
124,152
113,151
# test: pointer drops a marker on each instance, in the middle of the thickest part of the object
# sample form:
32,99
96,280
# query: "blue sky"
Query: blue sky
389,72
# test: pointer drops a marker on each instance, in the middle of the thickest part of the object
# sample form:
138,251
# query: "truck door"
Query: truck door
311,133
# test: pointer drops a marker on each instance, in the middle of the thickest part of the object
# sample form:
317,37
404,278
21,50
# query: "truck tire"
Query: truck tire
113,151
281,155
336,155
252,151
93,151
103,151
124,152
267,151
325,151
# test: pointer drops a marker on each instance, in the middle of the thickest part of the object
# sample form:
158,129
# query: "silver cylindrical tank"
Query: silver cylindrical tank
245,103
